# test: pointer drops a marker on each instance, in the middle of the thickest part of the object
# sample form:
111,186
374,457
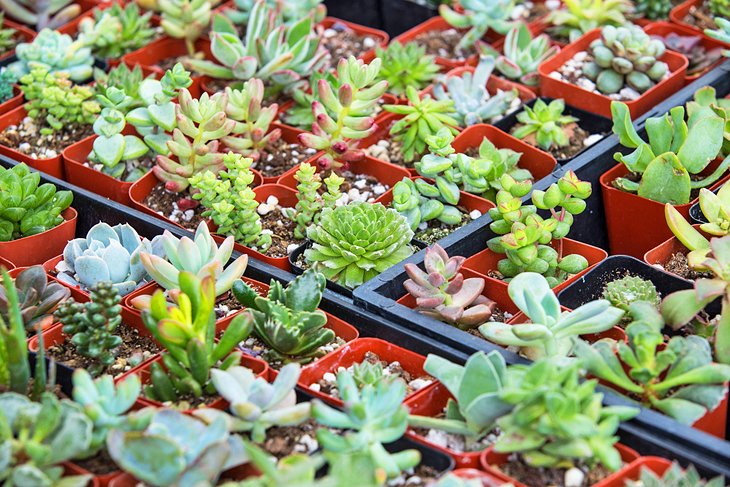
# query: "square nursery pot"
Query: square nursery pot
379,36
601,104
588,121
486,261
679,13
660,255
491,461
708,43
37,249
13,102
435,24
633,471
22,34
353,353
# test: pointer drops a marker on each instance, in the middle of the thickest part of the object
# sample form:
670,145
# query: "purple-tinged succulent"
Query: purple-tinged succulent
700,59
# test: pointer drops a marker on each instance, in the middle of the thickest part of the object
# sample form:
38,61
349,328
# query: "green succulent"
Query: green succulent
654,9
185,19
123,78
251,134
7,84
674,476
41,14
419,201
115,31
55,52
309,203
630,289
581,16
522,54
405,65
37,297
479,16
547,122
722,33
8,35
300,114
369,373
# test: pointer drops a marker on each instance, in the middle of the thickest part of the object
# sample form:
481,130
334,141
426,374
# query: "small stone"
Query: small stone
574,477
329,33
272,200
315,387
474,214
379,189
24,147
552,4
266,231
310,443
291,248
360,183
423,226
50,153
368,43
329,377
586,84
353,194
383,143
417,384
628,93
580,57
264,209
592,139
188,215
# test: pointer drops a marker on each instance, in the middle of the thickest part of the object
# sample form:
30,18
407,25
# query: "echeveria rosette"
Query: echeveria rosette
56,52
356,242
406,65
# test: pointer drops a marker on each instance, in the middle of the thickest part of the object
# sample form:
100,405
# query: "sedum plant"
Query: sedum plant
476,403
8,35
287,320
621,293
37,298
679,380
405,65
200,256
422,118
292,10
176,449
479,16
107,254
373,415
550,331
674,476
523,54
443,293
186,20
26,206
250,135
115,31
653,9
57,53
255,404
38,437
309,203
230,202
342,120
356,242
676,151
41,14
625,56
580,16
547,122
421,202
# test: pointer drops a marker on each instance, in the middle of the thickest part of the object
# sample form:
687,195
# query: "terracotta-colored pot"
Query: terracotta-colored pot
487,260
601,104
149,57
381,36
37,249
662,253
474,474
25,34
354,352
70,469
6,264
290,135
678,14
434,23
491,459
13,102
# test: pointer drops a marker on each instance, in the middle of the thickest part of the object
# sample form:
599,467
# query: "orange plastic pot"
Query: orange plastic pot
149,57
486,260
53,166
13,102
381,36
490,462
37,249
633,471
678,14
434,23
25,34
662,253
353,353
6,264
601,104
494,83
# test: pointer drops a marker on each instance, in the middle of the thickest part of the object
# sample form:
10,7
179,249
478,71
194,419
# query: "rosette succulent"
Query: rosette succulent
523,54
356,242
37,298
41,14
116,31
580,16
405,65
479,16
57,52
630,289
547,122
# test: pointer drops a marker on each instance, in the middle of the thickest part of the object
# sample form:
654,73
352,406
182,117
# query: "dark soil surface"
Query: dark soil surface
343,42
678,264
165,203
548,477
444,43
282,157
701,17
227,305
437,230
576,136
282,441
282,229
99,464
26,138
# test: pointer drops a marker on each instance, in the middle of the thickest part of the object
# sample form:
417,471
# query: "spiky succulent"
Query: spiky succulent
56,52
630,289
580,16
472,102
356,242
546,122
185,19
523,54
479,16
37,298
116,31
674,476
41,14
405,65
251,134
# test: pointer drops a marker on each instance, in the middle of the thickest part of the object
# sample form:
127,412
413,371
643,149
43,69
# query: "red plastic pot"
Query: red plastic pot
53,166
381,36
6,264
491,459
13,102
149,57
37,249
633,470
474,474
661,254
25,34
434,23
601,104
354,352
486,260
665,28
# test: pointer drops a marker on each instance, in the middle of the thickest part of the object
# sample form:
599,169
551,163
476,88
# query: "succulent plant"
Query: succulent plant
547,122
41,14
719,9
107,254
374,415
473,104
280,55
199,255
342,120
630,289
421,202
176,449
442,292
7,83
422,118
476,387
7,36
356,242
369,373
116,31
125,79
700,59
309,203
653,9
185,19
287,320
27,208
37,298
479,16
251,135
38,437
625,56
550,331
292,10
722,33
680,380
580,16
706,98
255,404
523,54
186,330
56,52
674,476
300,114
405,65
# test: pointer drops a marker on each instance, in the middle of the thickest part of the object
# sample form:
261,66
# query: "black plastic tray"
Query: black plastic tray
398,16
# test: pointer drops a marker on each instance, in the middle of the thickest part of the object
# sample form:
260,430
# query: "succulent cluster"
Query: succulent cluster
405,65
479,16
309,202
722,33
580,16
7,82
7,36
621,293
546,123
57,53
251,134
420,202
653,9
522,54
116,31
41,14
625,56
674,476
719,9
37,298
185,19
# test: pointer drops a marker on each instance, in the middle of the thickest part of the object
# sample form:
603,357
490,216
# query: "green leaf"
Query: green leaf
665,180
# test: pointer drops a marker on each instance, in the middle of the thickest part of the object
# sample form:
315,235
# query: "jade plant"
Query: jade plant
625,56
230,202
176,449
57,53
443,293
476,403
674,476
405,65
186,330
186,20
479,16
580,16
115,31
679,380
654,9
420,202
251,135
549,332
554,393
26,206
354,243
621,293
41,14
255,404
473,103
343,119
107,254
37,298
522,54
546,123
525,237
372,416
676,151
292,10
287,320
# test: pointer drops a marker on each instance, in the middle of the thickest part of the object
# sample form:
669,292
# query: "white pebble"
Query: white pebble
474,214
552,4
272,200
556,75
417,384
291,248
574,477
586,84
188,215
360,183
315,387
379,189
264,209
592,139
266,231
329,377
353,194
368,43
628,93
580,57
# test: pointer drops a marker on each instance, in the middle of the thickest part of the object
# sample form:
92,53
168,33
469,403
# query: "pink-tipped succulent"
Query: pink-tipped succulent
251,135
442,292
